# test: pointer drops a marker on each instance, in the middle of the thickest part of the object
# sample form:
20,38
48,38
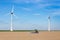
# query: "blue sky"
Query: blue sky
31,14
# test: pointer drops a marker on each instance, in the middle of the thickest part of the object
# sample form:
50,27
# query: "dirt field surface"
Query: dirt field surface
29,36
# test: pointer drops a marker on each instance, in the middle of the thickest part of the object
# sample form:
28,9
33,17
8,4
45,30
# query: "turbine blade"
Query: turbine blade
15,15
12,9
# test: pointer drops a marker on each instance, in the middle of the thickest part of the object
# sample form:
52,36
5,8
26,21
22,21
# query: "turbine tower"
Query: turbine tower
49,24
11,28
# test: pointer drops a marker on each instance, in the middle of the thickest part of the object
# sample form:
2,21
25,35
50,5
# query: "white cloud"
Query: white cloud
27,9
38,3
42,5
27,1
56,13
36,14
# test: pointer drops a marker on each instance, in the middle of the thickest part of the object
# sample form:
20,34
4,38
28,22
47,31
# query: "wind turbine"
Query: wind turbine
11,29
49,24
11,17
12,14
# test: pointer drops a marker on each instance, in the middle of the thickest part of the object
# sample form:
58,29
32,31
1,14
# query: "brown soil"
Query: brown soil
29,36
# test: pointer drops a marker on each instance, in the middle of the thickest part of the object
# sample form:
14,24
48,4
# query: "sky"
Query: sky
30,14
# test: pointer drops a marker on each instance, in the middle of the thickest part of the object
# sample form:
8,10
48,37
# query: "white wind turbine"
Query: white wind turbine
11,17
49,24
11,29
12,14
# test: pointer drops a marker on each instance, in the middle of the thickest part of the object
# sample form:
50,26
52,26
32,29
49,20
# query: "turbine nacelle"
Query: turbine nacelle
11,13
